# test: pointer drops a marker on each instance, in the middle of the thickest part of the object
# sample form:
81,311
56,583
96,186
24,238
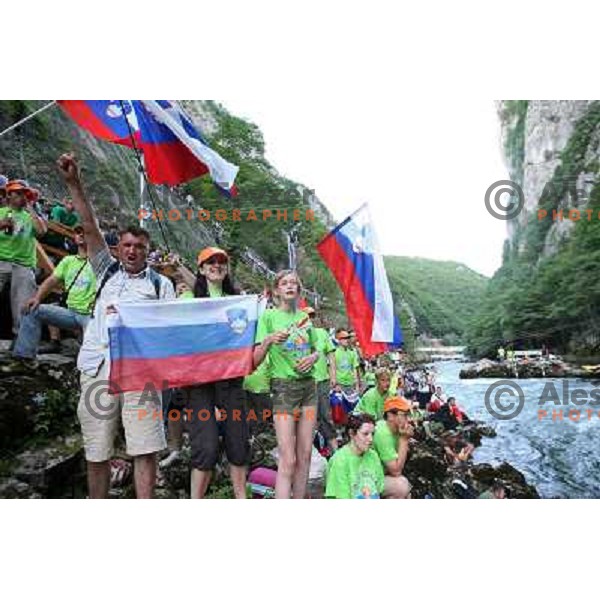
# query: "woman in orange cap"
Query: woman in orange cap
213,281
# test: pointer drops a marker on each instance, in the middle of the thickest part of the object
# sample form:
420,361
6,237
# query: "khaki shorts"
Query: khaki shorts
100,414
293,394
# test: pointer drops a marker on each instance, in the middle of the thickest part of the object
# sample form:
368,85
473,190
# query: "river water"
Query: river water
561,458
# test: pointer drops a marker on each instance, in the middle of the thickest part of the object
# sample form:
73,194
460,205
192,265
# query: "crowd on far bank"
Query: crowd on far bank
362,415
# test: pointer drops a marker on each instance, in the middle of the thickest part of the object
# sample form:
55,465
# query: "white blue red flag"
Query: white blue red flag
351,251
182,342
174,151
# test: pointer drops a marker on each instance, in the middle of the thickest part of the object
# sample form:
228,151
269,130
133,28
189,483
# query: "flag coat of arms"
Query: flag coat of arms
181,342
351,251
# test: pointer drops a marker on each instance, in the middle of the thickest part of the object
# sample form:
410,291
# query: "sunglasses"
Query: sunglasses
216,260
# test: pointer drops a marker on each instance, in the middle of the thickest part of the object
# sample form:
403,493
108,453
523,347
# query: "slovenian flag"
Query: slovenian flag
174,151
351,252
108,120
181,343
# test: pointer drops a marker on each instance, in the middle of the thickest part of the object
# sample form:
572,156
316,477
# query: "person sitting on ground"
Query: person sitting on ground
373,399
437,399
459,414
77,277
355,471
496,492
456,450
19,226
128,279
391,442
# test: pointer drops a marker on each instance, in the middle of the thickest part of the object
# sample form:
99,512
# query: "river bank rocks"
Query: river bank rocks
529,369
41,452
432,476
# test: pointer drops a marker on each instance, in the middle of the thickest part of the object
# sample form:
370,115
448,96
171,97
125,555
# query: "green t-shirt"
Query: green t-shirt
18,248
83,289
350,476
324,346
214,291
371,403
189,295
346,363
300,343
370,379
259,381
385,442
60,214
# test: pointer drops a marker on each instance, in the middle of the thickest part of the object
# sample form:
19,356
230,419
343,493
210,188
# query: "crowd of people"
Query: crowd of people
301,368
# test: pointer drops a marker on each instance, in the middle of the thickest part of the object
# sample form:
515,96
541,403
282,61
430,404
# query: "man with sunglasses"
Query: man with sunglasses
19,226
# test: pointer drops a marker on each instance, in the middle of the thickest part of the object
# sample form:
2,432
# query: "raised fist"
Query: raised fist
69,169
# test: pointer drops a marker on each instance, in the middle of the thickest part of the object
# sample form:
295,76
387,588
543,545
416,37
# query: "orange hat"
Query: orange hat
20,185
209,252
396,403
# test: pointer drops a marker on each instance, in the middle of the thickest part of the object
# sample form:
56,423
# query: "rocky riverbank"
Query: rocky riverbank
41,454
527,369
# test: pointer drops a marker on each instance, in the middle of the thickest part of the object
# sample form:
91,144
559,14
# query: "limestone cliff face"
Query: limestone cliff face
535,136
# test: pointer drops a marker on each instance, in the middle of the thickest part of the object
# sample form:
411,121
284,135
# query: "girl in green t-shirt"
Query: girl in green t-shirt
287,336
355,471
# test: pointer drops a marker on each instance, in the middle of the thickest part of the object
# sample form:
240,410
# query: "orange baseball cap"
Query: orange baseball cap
209,252
396,403
20,185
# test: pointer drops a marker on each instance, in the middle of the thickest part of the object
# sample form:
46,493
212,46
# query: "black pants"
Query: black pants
230,398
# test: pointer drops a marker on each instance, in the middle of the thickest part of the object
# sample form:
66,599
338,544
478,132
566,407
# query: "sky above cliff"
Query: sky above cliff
423,165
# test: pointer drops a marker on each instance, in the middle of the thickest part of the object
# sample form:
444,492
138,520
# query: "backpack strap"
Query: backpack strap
114,267
155,279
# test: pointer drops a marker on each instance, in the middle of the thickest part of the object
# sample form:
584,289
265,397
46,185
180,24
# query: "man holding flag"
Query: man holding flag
127,280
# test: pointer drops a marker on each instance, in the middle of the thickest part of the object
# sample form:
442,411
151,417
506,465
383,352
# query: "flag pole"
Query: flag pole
28,117
142,188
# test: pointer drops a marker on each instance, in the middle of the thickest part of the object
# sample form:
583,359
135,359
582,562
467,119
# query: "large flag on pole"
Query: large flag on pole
351,251
181,342
174,151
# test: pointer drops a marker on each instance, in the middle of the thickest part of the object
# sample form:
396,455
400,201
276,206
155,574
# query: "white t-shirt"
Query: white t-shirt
121,287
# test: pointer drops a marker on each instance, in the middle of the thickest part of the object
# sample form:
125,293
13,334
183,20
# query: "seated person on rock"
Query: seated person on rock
77,277
391,442
457,450
355,471
373,399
